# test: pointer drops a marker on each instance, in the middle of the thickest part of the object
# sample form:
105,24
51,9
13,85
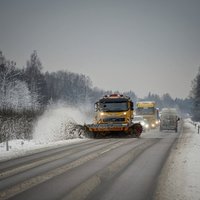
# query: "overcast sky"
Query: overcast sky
138,45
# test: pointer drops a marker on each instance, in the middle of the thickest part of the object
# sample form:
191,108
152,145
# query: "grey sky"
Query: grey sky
138,45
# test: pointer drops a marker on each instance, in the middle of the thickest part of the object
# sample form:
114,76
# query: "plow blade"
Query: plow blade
104,129
107,127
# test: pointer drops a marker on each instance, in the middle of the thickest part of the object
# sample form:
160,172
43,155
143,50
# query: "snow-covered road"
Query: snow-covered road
179,179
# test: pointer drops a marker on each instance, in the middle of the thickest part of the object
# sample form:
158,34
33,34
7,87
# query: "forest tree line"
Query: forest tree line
31,89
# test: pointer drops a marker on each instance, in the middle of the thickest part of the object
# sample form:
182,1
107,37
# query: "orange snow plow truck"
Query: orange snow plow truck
114,113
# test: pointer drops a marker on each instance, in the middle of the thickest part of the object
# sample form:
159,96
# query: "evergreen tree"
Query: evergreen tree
195,94
156,98
168,101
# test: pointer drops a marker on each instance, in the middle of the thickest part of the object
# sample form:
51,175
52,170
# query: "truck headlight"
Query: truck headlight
142,123
147,125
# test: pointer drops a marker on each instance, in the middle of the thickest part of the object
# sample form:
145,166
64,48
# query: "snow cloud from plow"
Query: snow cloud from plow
59,123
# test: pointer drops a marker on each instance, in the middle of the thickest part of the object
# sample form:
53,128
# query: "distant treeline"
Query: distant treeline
29,88
26,92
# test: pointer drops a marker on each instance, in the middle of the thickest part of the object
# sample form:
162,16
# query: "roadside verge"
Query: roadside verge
180,177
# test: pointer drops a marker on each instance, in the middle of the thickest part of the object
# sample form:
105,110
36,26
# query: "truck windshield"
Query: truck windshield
145,111
113,106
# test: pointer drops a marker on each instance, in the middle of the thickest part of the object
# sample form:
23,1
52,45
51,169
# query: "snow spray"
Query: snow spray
59,123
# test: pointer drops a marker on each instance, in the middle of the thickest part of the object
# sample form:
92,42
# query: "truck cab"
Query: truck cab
114,109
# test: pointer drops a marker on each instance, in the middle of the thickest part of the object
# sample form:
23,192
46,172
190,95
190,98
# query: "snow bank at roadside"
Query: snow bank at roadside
180,178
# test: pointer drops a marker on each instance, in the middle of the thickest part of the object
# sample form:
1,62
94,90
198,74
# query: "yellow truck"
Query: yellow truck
114,113
149,111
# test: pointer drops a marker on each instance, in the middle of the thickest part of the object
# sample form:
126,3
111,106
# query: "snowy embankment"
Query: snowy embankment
180,177
58,126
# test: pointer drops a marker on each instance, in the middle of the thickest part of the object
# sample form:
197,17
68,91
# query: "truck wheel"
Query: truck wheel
138,130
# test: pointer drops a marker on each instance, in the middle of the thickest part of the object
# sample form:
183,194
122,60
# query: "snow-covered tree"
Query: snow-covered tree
156,98
8,75
35,78
67,86
14,92
167,101
18,96
195,94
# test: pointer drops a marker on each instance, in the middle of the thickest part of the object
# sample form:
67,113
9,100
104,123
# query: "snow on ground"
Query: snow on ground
180,178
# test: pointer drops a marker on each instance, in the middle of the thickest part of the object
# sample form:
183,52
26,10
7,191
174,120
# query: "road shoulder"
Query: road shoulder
180,177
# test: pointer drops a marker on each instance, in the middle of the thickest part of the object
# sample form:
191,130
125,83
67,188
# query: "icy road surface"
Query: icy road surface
114,168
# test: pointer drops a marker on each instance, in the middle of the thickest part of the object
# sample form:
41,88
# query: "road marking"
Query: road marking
25,167
25,185
84,189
